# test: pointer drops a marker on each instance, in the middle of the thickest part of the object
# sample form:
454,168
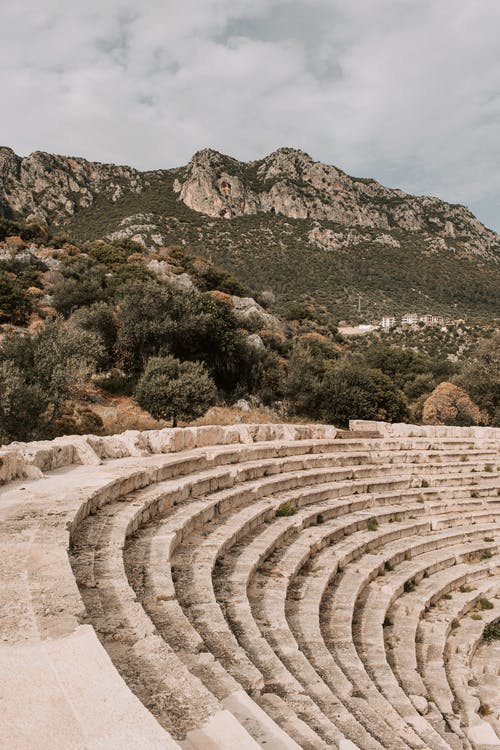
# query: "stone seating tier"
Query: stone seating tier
256,586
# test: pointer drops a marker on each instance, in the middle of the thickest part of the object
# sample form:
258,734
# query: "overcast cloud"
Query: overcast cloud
407,91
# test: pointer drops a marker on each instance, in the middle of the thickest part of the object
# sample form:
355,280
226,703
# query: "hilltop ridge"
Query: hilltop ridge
287,182
304,229
291,183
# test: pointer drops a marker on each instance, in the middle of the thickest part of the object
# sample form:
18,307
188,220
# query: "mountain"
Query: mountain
303,229
290,183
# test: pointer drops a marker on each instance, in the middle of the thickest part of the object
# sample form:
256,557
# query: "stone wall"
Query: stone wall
31,460
400,429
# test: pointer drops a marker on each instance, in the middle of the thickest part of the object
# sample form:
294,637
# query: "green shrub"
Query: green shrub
117,382
484,603
286,508
39,374
108,254
491,631
351,391
484,709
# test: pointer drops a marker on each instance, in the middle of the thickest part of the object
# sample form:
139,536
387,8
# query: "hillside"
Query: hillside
302,229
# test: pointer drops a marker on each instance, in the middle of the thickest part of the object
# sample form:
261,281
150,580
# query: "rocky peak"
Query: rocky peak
216,185
285,161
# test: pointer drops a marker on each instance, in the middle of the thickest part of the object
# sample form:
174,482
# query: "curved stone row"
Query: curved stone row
271,586
484,674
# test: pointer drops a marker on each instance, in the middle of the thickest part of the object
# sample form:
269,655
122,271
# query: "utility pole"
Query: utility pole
359,304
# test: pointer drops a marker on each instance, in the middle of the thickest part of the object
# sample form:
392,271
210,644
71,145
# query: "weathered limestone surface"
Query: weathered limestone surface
411,430
254,586
66,693
30,460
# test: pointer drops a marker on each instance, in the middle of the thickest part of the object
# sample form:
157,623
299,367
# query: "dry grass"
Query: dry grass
227,415
120,413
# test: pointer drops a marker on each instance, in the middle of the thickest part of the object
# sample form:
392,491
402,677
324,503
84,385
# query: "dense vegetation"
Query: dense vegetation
98,315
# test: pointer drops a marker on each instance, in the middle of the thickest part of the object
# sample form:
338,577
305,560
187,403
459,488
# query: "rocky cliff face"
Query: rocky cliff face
51,188
288,182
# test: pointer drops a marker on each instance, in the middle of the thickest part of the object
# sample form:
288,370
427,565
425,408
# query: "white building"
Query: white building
411,319
432,320
388,322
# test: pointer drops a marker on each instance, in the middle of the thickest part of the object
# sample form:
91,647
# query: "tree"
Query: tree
402,365
15,305
267,376
21,405
171,389
450,405
159,319
64,358
303,382
144,322
110,255
100,319
351,391
84,283
421,385
392,405
481,378
55,363
347,393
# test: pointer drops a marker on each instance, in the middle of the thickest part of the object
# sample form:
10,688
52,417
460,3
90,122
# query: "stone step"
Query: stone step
415,643
459,651
371,644
241,615
276,627
351,584
148,665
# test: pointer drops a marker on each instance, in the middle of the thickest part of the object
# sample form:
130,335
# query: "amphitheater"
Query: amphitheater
254,586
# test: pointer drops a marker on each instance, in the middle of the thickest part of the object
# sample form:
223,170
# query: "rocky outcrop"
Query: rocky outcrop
247,308
51,188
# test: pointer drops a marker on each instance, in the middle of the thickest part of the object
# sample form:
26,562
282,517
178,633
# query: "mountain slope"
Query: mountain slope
302,228
290,183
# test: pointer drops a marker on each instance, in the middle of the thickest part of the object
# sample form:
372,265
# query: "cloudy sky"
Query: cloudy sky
407,91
